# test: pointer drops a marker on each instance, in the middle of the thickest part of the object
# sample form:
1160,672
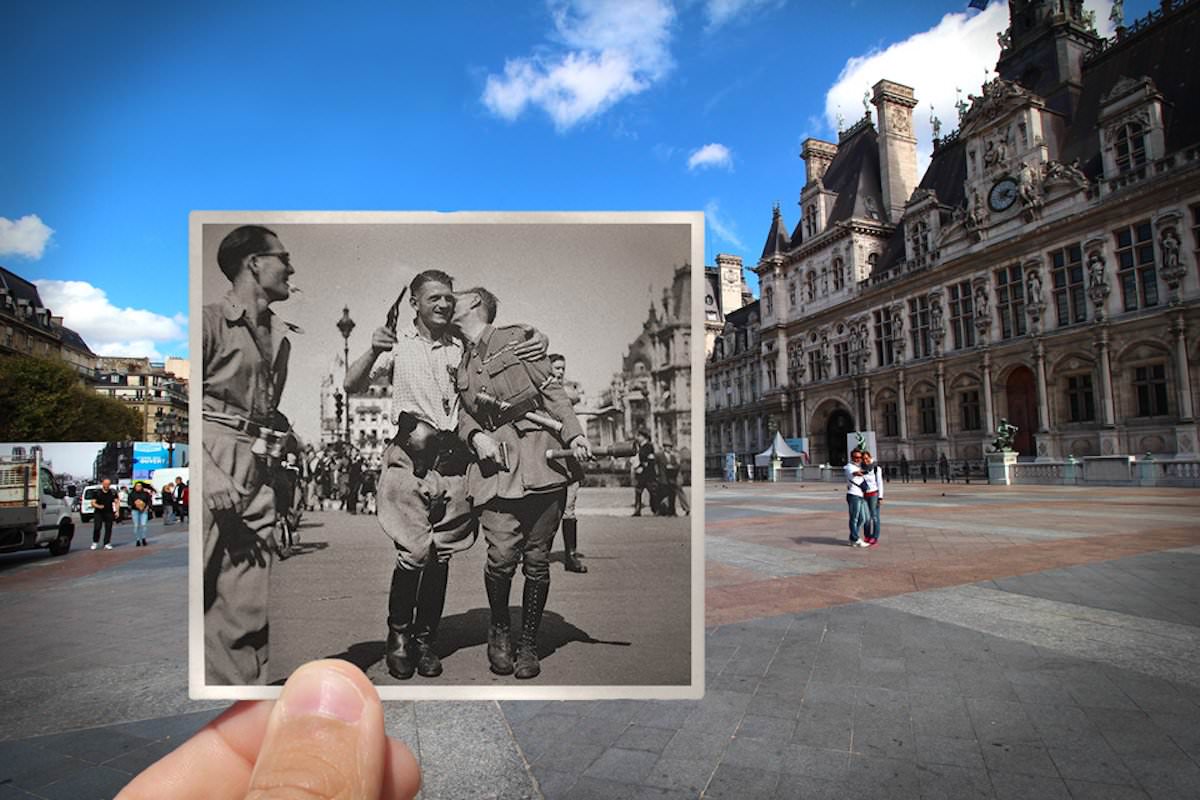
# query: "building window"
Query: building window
839,275
810,220
810,286
769,295
841,358
918,325
1135,266
772,377
891,419
928,411
968,406
1069,299
884,352
1150,383
791,294
1010,301
1081,403
962,316
1131,146
814,364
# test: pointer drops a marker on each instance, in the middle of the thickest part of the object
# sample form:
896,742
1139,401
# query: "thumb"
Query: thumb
325,738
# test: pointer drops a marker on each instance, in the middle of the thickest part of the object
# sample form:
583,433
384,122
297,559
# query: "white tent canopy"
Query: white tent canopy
779,448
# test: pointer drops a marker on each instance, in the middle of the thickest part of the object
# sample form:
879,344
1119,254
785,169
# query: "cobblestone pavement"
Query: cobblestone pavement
1030,642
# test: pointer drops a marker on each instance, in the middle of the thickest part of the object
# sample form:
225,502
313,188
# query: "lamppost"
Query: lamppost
346,325
168,429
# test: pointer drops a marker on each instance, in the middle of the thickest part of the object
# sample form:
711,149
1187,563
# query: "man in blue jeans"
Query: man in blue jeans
855,479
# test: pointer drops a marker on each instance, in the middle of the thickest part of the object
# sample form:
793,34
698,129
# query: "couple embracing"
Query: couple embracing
864,494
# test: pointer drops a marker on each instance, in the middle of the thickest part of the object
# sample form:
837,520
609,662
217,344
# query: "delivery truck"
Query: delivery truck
34,509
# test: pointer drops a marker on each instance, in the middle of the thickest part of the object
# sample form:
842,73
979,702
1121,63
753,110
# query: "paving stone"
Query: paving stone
670,714
1023,759
1011,786
731,782
696,744
773,728
642,737
829,765
792,786
554,784
622,766
949,782
29,767
761,754
588,788
95,746
93,783
1086,790
942,750
681,774
869,776
1173,777
829,733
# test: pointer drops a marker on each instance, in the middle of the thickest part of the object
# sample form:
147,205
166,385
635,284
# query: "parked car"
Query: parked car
85,511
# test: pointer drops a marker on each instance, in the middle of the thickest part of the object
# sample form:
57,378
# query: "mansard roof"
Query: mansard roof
854,176
72,339
19,288
777,239
1164,51
946,175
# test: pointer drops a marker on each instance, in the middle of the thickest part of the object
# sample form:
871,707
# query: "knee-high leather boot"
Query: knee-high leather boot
532,605
500,648
402,602
431,601
570,531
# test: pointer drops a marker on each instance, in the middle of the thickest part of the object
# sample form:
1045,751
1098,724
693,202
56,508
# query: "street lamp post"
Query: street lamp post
345,325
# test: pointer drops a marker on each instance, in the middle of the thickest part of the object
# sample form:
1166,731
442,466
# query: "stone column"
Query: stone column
1182,373
801,420
941,400
867,422
902,406
1107,410
781,363
1043,437
989,420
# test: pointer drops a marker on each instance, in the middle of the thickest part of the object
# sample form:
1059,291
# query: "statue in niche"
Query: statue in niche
1170,251
1095,266
1027,189
981,302
1033,283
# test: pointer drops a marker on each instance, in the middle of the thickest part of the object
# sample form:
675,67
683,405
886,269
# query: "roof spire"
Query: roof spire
777,240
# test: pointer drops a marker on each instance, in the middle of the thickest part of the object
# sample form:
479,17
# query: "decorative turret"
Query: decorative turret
1044,47
897,146
777,240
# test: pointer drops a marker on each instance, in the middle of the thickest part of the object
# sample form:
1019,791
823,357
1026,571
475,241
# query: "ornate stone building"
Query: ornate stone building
1043,269
653,390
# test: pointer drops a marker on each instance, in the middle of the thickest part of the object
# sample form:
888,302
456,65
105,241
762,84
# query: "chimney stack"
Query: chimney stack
817,157
894,103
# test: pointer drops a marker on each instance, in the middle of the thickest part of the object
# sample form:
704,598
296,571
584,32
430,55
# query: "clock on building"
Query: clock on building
1003,194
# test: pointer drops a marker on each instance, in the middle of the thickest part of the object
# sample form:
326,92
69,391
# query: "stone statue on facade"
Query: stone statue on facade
1170,251
1117,15
867,103
935,123
1058,172
1006,434
960,104
1033,284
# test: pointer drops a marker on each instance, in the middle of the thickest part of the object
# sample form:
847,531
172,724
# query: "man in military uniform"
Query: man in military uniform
245,357
510,410
645,474
422,502
671,488
558,369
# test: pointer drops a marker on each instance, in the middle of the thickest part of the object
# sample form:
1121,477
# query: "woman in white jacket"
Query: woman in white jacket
873,496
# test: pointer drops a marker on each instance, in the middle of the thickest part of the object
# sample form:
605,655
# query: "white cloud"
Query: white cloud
720,12
724,229
26,236
966,40
711,155
605,51
107,329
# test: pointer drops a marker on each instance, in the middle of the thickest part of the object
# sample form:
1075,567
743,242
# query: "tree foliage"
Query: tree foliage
44,400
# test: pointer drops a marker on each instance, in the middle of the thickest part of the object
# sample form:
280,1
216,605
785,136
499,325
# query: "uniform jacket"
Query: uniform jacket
491,367
243,376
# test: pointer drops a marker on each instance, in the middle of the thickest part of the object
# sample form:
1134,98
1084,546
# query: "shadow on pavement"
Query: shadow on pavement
469,629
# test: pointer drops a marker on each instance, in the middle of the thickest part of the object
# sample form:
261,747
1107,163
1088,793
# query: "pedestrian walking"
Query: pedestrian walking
944,468
903,468
670,487
167,497
855,505
354,478
872,489
570,527
246,348
139,502
505,409
645,474
106,505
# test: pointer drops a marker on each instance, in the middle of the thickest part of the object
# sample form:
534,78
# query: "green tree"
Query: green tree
44,400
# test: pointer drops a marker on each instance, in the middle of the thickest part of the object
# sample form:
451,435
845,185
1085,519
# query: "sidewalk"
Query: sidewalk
1000,642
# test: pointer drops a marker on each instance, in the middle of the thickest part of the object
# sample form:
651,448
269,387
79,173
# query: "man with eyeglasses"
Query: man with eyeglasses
245,362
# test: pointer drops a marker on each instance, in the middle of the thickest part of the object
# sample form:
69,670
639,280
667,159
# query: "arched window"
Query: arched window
1131,146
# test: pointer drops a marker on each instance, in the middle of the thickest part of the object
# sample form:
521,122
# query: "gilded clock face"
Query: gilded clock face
1003,194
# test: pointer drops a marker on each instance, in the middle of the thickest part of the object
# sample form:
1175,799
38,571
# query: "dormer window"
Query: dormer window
810,220
1131,146
769,297
839,275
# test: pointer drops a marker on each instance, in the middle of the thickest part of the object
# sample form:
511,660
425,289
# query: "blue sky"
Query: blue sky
123,117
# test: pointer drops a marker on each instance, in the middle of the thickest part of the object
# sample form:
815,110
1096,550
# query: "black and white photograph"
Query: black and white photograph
455,450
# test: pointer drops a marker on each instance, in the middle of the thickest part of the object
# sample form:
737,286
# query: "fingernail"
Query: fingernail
322,693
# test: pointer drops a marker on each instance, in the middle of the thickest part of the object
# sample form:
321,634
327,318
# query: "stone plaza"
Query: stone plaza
1031,642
